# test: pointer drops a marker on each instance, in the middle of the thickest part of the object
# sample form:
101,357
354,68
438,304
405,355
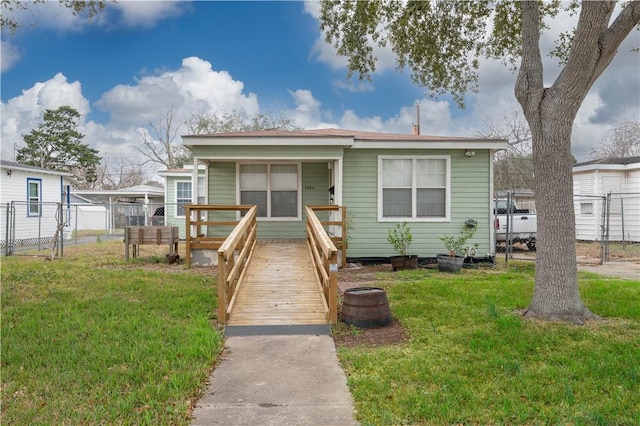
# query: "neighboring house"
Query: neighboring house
178,193
612,180
433,183
133,206
30,198
88,216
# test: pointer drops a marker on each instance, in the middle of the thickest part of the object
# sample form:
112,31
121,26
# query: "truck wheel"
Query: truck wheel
531,246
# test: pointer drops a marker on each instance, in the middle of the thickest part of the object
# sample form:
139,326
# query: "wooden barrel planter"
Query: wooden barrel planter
366,307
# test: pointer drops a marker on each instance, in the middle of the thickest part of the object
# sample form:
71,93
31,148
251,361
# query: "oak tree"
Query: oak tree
441,42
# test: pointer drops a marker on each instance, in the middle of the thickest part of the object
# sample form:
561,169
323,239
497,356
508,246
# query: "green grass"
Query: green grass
88,339
472,359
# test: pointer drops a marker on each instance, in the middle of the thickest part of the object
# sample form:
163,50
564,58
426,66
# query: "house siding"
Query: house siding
624,219
470,198
223,190
14,188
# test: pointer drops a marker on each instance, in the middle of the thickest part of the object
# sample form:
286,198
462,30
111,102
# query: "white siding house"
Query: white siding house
29,198
609,181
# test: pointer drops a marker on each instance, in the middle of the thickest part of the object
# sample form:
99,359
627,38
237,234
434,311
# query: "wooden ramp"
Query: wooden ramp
279,287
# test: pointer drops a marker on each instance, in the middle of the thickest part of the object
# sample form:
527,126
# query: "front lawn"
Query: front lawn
472,359
89,339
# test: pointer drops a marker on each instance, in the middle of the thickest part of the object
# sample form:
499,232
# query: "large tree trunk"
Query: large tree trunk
550,113
556,295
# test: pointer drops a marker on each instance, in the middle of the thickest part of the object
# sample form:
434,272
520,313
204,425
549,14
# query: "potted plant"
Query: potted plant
457,248
401,238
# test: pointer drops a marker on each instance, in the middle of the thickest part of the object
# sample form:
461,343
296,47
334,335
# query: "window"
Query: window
183,196
34,196
413,188
202,198
274,188
586,208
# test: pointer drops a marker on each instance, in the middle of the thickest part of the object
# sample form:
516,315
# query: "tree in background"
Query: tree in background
56,144
9,7
441,43
236,121
513,167
621,141
112,175
161,143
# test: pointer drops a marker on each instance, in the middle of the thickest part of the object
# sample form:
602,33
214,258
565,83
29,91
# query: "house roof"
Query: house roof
608,163
610,160
139,191
181,171
5,164
344,137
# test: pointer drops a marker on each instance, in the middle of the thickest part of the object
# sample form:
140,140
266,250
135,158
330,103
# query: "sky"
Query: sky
133,63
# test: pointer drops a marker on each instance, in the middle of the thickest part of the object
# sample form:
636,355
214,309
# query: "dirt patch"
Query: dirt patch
349,336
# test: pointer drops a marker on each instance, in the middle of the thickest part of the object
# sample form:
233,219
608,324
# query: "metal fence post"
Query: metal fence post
6,234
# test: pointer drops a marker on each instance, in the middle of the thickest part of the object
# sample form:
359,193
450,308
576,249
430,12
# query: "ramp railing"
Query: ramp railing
233,257
324,256
233,240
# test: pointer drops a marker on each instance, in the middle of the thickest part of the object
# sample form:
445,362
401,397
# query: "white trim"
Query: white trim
305,141
414,218
175,195
267,159
38,202
298,216
603,167
448,145
491,204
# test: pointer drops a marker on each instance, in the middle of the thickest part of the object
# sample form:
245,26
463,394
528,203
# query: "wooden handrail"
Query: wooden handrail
195,238
234,250
340,237
233,256
324,257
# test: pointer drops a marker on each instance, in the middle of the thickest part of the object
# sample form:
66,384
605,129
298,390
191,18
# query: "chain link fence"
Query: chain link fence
621,227
516,225
607,227
51,226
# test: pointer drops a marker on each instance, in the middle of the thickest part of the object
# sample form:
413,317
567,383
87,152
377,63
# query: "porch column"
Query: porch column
337,166
194,182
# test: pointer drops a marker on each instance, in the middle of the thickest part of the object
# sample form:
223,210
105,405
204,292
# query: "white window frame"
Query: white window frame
37,200
586,208
175,194
414,217
268,218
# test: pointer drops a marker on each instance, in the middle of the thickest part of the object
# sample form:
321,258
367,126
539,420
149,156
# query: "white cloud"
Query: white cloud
147,14
9,56
127,13
195,87
23,113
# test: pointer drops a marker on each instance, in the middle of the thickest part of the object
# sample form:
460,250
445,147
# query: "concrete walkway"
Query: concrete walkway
277,380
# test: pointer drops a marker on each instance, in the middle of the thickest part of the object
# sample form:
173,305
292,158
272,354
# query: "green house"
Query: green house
433,183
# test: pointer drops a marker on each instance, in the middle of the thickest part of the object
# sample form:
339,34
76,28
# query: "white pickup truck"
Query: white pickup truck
518,224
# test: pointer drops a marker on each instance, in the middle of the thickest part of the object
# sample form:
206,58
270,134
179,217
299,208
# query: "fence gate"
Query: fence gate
591,230
35,226
621,234
516,225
